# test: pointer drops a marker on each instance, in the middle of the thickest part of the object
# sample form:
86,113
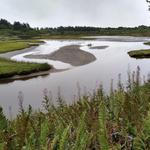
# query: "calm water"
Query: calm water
110,62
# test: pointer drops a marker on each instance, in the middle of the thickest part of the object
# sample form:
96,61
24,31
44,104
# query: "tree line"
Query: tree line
4,24
25,30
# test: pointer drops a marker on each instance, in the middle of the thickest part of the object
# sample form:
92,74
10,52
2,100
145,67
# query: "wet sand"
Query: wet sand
71,54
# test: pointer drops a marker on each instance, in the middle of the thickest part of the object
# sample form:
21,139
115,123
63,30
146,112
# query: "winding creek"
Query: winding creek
110,62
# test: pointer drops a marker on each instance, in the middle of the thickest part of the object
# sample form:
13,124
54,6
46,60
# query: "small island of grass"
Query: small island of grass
140,53
10,68
147,43
99,47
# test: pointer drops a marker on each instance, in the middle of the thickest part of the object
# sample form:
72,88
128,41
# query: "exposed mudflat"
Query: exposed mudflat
71,54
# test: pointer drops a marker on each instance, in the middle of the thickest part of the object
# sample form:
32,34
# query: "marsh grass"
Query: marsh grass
119,120
147,43
13,45
140,53
9,68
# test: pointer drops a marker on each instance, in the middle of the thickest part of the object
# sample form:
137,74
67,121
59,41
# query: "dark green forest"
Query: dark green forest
24,30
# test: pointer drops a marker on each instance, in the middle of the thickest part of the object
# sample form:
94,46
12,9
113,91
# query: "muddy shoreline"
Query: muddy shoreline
68,54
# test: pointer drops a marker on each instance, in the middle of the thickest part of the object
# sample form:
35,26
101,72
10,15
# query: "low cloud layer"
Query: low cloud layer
54,13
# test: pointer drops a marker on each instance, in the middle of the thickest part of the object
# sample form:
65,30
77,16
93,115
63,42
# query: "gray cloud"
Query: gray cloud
76,12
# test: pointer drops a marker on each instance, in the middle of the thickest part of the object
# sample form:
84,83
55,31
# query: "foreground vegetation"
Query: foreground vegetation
120,120
9,68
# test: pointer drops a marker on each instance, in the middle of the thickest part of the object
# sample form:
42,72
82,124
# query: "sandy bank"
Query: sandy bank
71,54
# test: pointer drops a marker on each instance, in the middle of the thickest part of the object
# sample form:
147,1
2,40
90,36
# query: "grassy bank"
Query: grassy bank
147,43
119,120
48,36
143,53
9,68
140,53
12,45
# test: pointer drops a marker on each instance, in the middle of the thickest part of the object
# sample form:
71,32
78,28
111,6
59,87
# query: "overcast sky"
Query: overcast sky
53,13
